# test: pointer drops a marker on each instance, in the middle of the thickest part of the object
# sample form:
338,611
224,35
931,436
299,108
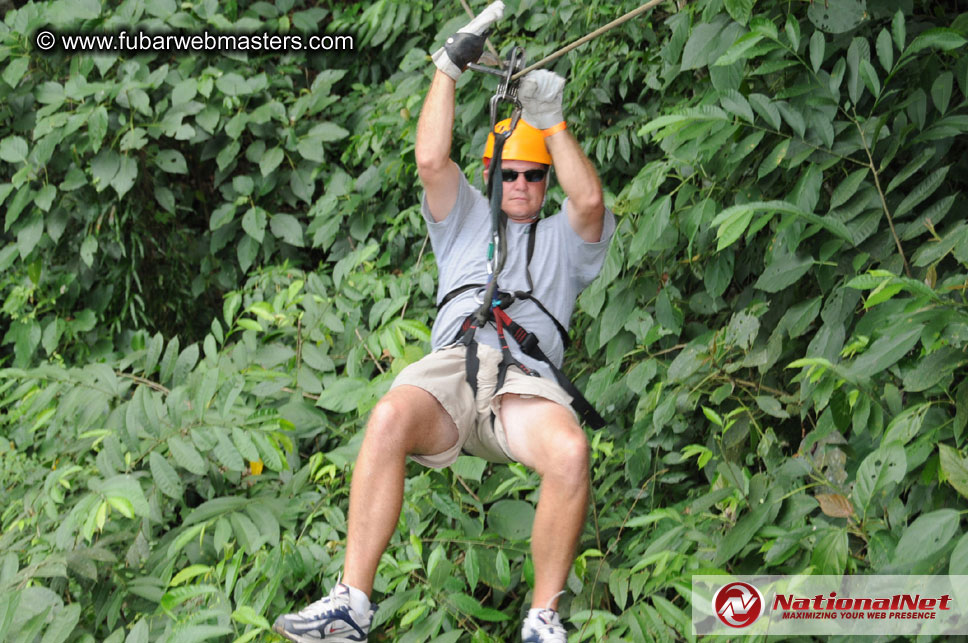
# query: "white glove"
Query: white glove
540,93
460,50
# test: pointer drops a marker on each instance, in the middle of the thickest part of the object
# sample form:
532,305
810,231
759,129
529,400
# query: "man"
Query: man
431,412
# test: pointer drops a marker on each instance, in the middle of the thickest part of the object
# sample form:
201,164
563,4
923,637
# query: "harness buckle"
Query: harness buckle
528,343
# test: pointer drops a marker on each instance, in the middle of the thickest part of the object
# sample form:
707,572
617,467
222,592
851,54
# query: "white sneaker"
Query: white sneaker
329,619
543,626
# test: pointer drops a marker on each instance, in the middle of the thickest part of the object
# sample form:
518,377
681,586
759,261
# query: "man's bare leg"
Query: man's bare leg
407,420
544,436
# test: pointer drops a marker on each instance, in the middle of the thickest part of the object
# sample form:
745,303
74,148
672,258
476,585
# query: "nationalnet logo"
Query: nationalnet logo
898,606
830,605
738,604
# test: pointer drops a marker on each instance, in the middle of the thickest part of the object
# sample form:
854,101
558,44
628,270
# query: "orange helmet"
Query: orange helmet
525,144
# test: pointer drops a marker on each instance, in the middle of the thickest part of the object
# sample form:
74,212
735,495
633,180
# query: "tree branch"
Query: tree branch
880,191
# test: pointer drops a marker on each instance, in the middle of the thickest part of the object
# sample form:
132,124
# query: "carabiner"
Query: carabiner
507,92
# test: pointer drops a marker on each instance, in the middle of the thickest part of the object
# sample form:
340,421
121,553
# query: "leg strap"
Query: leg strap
471,360
529,345
500,321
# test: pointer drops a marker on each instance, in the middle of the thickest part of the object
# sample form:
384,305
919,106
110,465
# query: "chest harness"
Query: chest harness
494,301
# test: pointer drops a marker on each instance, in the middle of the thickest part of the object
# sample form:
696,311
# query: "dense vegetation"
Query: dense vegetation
212,265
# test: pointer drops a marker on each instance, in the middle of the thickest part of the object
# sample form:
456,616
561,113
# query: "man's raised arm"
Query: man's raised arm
438,173
541,95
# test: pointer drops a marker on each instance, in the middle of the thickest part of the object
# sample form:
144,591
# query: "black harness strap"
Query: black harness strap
506,299
529,345
472,361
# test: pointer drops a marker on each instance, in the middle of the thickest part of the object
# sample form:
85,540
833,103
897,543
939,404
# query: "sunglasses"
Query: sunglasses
531,176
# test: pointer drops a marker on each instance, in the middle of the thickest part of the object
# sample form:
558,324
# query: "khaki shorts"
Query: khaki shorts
443,374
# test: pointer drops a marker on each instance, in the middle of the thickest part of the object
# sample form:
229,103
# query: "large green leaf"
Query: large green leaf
941,91
879,470
959,558
732,222
687,362
885,50
913,166
774,158
783,271
328,132
955,468
938,38
61,628
615,315
186,456
226,452
271,160
885,351
472,607
254,223
922,191
126,487
931,369
127,174
927,535
511,519
171,161
837,17
670,122
858,52
742,533
343,395
906,426
232,84
701,46
830,552
932,252
13,149
739,50
287,228
29,235
740,10
847,188
165,476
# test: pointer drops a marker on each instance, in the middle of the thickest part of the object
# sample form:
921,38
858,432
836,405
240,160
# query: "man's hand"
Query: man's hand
540,93
467,45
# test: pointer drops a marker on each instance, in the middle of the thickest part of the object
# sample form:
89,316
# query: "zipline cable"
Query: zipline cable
581,41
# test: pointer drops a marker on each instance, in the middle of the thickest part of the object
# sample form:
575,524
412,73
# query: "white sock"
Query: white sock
359,601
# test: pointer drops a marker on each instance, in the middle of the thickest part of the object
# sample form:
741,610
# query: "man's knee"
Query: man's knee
410,419
392,419
568,455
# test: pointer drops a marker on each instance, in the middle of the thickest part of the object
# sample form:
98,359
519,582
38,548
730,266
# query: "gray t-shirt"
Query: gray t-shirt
562,265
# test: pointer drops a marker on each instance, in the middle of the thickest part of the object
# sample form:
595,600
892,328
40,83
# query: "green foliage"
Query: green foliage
214,264
137,189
